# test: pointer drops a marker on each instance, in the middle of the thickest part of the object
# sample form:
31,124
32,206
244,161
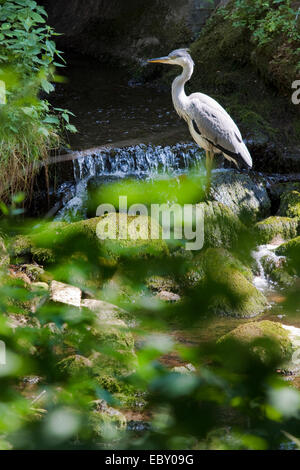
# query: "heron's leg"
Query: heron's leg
209,163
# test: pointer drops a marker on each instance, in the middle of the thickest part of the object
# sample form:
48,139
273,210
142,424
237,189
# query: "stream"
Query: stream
110,108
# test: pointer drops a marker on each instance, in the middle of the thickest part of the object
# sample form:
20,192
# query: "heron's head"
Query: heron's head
178,57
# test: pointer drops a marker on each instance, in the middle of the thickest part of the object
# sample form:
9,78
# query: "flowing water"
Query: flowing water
261,280
109,109
139,162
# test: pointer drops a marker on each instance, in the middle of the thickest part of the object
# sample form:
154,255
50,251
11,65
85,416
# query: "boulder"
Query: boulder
272,228
105,420
65,293
277,345
168,296
245,195
222,227
290,204
227,280
105,312
291,250
100,234
75,365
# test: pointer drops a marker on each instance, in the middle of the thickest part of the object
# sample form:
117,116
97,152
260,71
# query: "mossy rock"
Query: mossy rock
34,271
222,227
278,344
57,240
116,355
271,228
163,283
291,249
277,270
232,293
290,204
75,365
246,196
106,421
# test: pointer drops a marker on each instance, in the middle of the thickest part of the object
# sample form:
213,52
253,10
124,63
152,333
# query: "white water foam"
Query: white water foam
140,161
261,281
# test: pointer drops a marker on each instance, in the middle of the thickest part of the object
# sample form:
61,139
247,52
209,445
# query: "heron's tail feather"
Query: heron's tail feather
245,154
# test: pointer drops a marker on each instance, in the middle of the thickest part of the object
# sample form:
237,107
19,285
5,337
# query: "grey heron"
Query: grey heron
209,124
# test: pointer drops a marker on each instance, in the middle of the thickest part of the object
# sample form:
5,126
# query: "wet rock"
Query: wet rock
245,195
233,294
274,227
168,296
290,204
65,293
268,340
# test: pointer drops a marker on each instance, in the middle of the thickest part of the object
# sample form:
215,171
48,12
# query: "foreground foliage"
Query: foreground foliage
29,127
76,373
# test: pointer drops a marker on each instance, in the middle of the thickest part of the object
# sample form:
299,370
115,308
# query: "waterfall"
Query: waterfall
261,281
140,162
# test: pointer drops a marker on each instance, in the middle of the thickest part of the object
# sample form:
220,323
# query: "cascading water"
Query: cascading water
261,281
140,162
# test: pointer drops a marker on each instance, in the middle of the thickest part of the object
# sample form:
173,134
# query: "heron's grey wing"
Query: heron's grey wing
212,103
218,129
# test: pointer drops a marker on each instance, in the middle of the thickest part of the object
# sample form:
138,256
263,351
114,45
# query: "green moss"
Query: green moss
279,343
237,78
291,249
290,204
75,365
233,293
283,227
116,355
162,283
277,270
105,420
222,228
59,240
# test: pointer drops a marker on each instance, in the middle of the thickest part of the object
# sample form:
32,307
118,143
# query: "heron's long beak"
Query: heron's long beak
162,60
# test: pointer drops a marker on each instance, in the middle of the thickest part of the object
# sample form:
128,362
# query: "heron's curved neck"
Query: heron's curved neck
179,97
